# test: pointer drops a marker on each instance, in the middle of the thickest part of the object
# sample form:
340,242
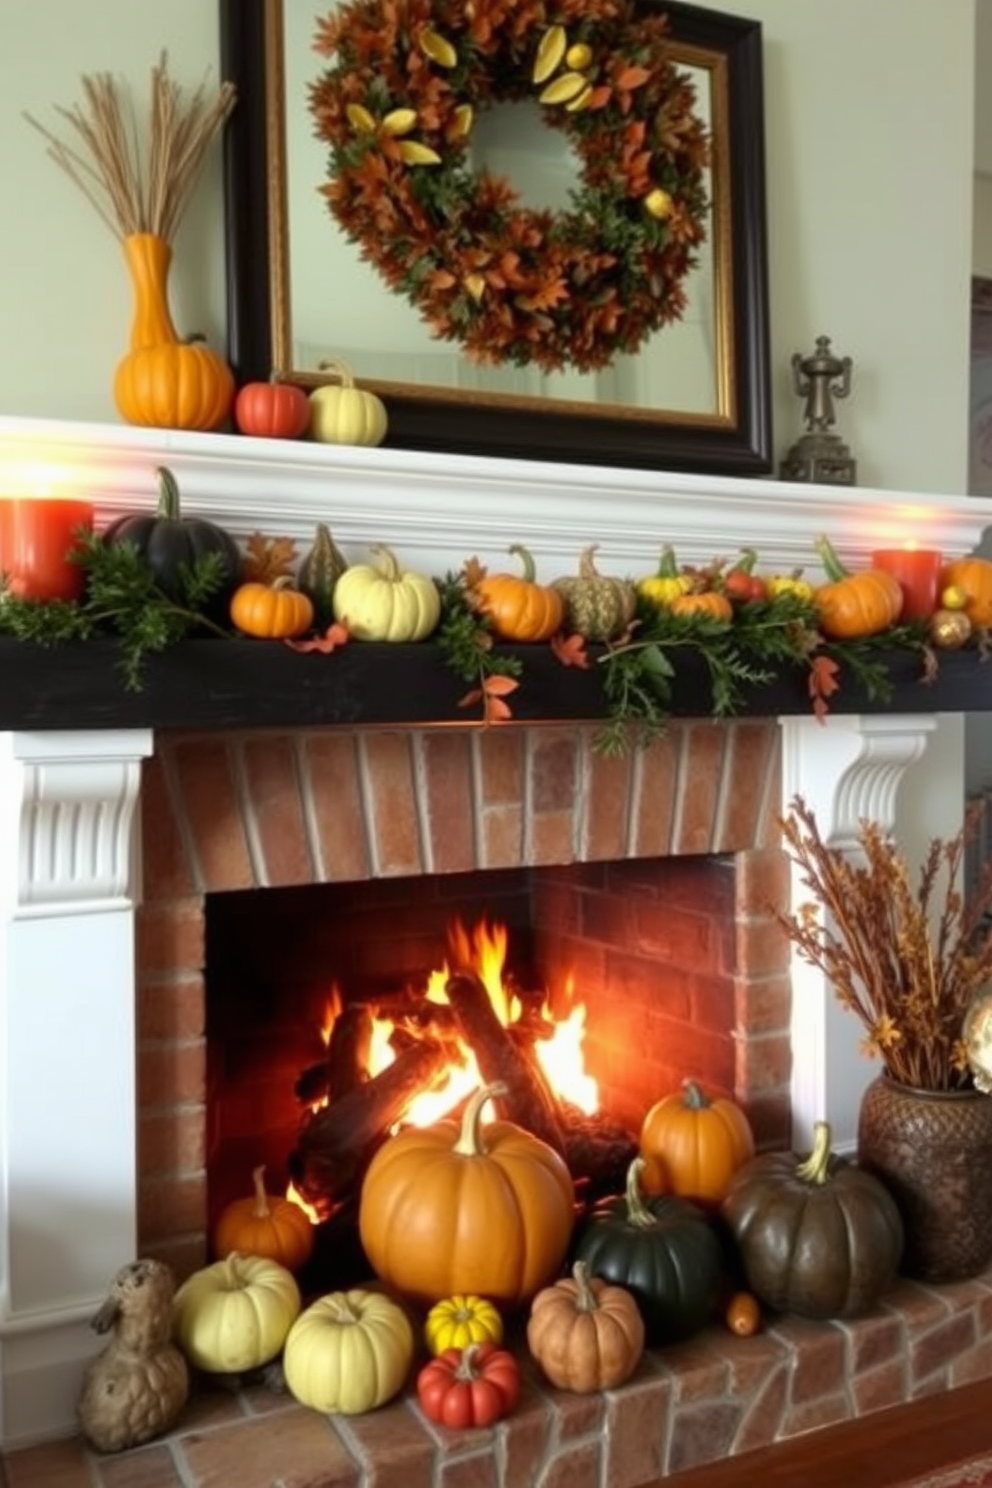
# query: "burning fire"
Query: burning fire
558,1046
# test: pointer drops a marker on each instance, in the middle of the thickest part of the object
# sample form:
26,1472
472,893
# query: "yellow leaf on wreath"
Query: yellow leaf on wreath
399,121
438,48
562,89
360,118
550,50
412,152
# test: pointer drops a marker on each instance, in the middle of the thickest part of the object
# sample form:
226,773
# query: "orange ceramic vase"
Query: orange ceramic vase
164,381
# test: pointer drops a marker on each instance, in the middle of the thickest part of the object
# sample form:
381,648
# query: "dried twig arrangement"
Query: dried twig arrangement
906,970
107,165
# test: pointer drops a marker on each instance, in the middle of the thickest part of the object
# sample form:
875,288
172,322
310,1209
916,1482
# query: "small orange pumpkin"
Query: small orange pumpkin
850,604
517,607
265,1225
693,1144
273,611
585,1333
709,602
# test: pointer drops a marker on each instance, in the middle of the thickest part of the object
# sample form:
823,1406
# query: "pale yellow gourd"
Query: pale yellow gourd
234,1315
345,414
349,1352
381,602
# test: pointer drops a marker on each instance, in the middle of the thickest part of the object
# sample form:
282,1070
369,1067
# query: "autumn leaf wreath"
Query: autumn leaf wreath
406,80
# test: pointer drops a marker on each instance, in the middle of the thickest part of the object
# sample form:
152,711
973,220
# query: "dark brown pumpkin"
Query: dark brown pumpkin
817,1237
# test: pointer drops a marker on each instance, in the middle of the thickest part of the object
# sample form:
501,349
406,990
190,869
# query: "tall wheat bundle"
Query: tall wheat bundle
105,159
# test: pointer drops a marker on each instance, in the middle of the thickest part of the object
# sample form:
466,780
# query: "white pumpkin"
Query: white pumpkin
348,1352
234,1315
382,602
346,414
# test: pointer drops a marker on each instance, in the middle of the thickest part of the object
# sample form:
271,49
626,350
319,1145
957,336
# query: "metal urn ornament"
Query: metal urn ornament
820,455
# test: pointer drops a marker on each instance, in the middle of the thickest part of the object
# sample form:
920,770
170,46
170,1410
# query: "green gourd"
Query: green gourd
597,606
318,573
663,1251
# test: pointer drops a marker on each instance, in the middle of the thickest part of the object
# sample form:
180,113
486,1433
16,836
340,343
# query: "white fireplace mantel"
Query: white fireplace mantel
68,881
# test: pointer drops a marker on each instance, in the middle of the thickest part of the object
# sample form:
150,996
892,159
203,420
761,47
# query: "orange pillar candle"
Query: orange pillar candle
36,536
918,573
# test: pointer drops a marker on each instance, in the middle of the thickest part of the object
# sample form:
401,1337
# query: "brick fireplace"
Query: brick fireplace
115,836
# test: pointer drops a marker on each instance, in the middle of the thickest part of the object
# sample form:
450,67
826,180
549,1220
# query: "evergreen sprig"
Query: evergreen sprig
465,636
121,597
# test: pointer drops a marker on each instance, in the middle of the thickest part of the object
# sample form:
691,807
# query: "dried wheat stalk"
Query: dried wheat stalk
106,161
907,972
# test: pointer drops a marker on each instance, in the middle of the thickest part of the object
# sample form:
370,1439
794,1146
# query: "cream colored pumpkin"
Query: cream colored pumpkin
346,414
348,1352
382,602
235,1315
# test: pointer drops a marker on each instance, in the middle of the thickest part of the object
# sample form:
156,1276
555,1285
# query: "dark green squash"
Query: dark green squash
322,566
168,541
663,1250
820,1238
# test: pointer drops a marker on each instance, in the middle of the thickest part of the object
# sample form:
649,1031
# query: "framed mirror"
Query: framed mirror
695,398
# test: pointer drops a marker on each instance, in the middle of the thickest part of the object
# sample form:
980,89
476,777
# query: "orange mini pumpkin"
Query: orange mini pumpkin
973,576
273,611
265,1225
693,1144
850,604
517,607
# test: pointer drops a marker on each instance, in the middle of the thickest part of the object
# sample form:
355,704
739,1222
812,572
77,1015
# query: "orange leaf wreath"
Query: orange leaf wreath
406,81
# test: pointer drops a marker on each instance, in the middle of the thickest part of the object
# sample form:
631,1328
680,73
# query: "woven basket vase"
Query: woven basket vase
933,1151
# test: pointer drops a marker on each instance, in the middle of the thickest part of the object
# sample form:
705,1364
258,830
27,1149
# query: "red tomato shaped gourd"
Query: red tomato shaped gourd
272,410
474,1386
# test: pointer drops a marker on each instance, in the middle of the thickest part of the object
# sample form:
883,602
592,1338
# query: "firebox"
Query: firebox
599,985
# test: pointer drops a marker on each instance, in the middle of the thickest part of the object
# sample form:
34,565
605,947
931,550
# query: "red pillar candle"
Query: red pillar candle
36,535
918,573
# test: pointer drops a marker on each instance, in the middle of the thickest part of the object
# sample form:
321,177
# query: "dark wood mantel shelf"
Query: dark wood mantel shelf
225,684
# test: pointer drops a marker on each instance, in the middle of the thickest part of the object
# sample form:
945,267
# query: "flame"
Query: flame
484,949
295,1197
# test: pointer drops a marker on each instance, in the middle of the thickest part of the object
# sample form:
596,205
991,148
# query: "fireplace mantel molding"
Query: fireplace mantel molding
68,788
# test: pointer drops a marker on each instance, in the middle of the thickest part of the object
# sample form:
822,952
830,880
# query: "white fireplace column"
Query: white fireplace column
67,1093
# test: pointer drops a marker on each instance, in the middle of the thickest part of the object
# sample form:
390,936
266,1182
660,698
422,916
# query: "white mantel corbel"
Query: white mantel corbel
846,769
67,1098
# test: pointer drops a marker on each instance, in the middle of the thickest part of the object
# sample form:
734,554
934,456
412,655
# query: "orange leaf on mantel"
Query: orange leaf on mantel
492,694
822,683
334,636
571,651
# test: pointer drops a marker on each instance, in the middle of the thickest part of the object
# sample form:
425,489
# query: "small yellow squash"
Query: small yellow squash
343,413
234,1315
382,602
348,1352
457,1321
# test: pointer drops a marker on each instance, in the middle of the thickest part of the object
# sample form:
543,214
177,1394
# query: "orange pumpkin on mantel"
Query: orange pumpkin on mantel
692,1145
973,576
264,1225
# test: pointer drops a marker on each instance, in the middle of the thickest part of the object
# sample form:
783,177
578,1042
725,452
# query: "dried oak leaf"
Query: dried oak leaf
822,683
268,558
329,640
571,651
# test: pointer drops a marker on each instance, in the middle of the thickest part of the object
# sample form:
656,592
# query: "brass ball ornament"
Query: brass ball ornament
949,629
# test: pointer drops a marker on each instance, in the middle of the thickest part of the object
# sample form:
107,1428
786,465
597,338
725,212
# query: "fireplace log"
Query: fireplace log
598,1151
345,1063
337,1141
529,1101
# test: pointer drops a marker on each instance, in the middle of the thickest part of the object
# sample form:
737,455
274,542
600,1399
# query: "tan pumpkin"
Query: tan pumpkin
345,414
273,611
383,602
458,1208
517,607
692,1145
585,1334
349,1352
265,1225
235,1315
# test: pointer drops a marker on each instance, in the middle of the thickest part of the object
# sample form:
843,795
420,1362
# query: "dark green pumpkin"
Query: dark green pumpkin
662,1250
820,1238
168,541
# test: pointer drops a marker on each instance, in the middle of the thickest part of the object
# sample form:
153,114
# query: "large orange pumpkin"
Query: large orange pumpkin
693,1144
461,1208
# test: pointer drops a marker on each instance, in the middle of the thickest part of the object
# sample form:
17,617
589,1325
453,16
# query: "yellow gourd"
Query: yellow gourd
382,602
234,1315
349,1352
345,414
